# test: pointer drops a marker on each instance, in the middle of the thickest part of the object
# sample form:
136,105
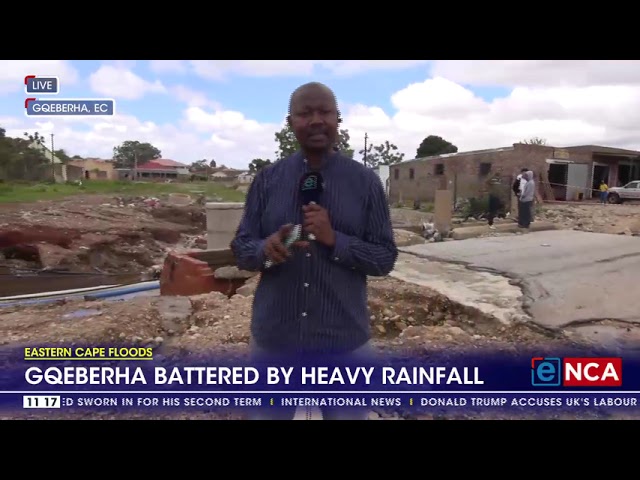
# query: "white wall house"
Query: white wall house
383,173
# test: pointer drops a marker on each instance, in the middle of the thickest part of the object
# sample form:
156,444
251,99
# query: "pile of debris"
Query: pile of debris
614,219
99,234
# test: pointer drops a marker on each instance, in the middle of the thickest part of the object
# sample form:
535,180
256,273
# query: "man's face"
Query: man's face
314,119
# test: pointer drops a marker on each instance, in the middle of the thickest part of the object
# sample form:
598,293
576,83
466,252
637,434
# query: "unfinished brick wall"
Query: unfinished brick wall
467,173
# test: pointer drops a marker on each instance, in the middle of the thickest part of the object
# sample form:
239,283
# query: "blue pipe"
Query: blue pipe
118,291
112,292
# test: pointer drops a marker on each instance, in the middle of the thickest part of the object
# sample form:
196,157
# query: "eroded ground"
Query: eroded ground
97,234
405,317
113,234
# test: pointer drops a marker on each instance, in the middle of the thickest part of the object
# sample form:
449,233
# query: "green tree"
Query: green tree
434,145
258,164
288,144
384,154
18,160
124,155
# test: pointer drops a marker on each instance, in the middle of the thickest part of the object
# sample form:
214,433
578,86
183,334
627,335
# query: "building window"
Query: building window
438,169
396,174
485,168
412,173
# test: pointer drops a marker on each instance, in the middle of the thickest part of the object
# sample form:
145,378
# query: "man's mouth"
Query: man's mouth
317,136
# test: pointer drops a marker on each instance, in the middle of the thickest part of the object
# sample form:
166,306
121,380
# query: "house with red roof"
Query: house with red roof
159,169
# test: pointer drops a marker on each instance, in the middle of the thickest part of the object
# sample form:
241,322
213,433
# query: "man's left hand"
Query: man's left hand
316,221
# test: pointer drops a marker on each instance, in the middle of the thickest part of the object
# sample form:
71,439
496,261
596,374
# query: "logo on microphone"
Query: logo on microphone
310,183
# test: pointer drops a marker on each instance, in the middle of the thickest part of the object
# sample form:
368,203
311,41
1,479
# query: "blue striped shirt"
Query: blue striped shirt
317,300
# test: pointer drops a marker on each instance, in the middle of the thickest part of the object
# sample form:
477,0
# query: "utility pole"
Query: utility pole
53,163
135,166
364,159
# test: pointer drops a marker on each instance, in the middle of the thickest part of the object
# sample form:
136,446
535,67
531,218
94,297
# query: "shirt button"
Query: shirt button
308,254
336,258
304,314
306,285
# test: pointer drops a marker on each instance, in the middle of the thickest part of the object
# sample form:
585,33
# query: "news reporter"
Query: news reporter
314,299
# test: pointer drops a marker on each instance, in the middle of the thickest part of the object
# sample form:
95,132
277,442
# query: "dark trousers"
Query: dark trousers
525,209
491,217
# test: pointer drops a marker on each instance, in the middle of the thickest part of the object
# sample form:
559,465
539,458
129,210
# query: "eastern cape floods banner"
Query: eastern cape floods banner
140,378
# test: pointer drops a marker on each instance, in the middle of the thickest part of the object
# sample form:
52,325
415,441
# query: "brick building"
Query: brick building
570,171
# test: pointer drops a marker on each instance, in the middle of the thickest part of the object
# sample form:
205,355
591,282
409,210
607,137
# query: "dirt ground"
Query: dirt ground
405,318
110,234
589,217
616,219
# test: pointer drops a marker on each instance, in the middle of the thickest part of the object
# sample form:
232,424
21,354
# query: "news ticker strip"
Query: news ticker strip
416,401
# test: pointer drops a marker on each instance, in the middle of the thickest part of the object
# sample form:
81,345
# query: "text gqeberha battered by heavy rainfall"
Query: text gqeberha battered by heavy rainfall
197,375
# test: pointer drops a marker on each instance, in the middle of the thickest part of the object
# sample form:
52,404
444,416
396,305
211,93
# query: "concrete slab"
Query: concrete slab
473,231
489,293
567,277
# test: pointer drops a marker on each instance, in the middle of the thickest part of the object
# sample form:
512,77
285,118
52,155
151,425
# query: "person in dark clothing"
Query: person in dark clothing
526,200
495,204
494,207
519,182
313,300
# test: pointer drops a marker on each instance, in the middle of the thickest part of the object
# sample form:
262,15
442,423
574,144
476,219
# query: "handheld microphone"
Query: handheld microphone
310,189
311,186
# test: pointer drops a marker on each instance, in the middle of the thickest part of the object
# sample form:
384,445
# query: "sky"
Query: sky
229,110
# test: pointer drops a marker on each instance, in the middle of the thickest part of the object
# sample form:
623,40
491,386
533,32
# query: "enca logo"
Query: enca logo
576,372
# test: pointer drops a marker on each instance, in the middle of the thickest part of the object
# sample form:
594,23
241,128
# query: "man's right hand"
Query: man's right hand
274,248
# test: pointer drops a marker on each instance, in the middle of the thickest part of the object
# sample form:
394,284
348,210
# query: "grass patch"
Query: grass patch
25,192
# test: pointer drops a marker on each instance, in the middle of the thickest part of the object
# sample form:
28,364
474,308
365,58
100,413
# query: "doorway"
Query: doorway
600,172
558,180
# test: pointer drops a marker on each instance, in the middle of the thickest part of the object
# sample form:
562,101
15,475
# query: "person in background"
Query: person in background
313,300
518,185
519,182
495,204
604,192
525,203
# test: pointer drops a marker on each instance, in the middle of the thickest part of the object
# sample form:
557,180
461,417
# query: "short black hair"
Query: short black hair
524,170
318,85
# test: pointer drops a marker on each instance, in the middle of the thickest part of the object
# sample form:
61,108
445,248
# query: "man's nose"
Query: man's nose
316,118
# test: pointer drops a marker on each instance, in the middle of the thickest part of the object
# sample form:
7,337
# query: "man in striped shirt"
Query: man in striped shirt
314,298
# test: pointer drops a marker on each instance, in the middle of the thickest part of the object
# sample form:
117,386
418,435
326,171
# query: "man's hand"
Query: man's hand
274,248
316,221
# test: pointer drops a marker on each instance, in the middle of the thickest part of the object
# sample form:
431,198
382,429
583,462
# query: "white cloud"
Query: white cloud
564,115
222,69
168,66
116,81
12,73
567,112
539,72
192,97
